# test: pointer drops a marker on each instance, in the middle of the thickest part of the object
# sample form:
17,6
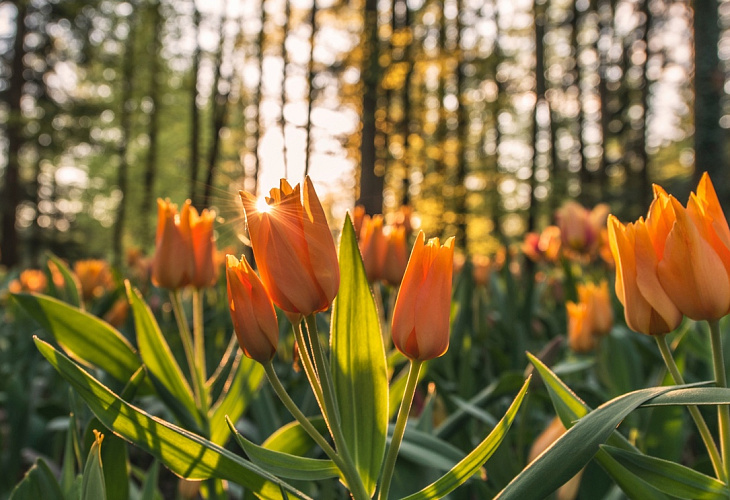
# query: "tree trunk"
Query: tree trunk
462,117
310,86
10,199
285,63
194,112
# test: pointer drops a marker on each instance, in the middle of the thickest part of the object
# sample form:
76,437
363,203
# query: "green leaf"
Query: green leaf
93,486
476,459
68,470
669,477
358,364
160,362
85,338
693,396
184,453
115,459
574,449
427,450
398,387
70,292
634,486
38,483
284,464
243,382
149,485
293,439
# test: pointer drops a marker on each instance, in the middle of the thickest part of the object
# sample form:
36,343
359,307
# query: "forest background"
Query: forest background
483,115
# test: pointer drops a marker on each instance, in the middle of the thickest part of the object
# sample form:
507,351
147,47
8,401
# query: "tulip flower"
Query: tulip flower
580,334
204,249
647,307
94,276
420,325
396,256
373,246
598,305
580,229
545,440
30,280
253,314
173,265
294,248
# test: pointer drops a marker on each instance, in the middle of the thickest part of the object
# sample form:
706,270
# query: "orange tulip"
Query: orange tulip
358,215
253,314
580,335
396,256
94,276
420,325
373,247
545,440
204,249
598,305
30,280
647,307
173,265
580,229
294,248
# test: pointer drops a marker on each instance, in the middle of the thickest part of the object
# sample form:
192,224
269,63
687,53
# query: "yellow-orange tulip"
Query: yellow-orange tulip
253,314
598,305
580,229
204,249
396,256
294,248
545,440
94,276
647,307
30,280
580,335
420,325
173,265
373,247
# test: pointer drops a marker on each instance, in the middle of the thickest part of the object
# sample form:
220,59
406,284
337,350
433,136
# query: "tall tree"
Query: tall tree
194,111
310,86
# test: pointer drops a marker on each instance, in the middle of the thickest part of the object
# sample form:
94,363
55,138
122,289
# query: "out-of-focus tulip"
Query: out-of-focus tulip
403,218
254,317
598,305
580,229
482,269
94,276
420,325
294,248
30,280
373,247
173,265
358,215
647,307
552,432
396,256
117,314
204,249
543,246
580,336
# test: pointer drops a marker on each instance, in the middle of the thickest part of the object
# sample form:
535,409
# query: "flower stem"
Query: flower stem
350,473
309,370
723,411
187,342
198,332
694,411
400,428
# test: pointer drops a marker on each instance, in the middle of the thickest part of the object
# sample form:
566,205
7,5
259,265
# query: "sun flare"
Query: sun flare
262,206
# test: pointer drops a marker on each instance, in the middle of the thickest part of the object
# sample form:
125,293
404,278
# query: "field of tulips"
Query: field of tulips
584,362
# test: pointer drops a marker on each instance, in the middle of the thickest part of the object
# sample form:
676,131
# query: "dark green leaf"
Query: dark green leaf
38,483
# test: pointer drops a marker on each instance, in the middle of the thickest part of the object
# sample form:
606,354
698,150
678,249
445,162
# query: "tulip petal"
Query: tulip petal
404,312
433,303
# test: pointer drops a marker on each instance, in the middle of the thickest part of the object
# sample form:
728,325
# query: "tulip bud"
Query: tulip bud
253,314
580,336
204,249
396,256
420,325
373,247
173,265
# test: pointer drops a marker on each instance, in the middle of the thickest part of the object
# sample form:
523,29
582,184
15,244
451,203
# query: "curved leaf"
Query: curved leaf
474,460
93,486
359,370
70,291
693,396
284,464
293,439
85,338
186,454
39,482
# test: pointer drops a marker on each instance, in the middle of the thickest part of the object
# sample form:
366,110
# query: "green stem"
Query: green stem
308,367
400,429
349,473
187,342
723,411
694,411
331,411
199,332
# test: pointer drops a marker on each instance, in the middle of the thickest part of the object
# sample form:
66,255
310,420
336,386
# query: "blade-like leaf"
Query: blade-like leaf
158,358
634,486
670,477
39,482
244,380
149,485
86,338
186,454
114,458
293,439
427,450
70,292
93,486
358,364
693,396
284,464
574,449
474,460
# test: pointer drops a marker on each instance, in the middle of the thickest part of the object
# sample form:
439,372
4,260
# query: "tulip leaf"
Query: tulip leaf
93,486
183,452
160,362
284,464
471,464
245,378
293,439
358,363
39,482
693,396
670,477
634,486
86,338
427,450
70,291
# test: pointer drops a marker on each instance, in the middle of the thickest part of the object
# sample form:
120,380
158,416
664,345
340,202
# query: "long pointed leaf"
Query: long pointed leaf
93,486
39,482
670,477
284,464
70,291
474,460
358,364
86,338
186,454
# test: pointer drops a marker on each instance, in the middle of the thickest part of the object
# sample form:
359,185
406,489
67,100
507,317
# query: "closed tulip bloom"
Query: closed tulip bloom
572,219
647,307
253,314
396,256
94,276
204,249
173,265
598,305
294,248
373,247
420,325
580,334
